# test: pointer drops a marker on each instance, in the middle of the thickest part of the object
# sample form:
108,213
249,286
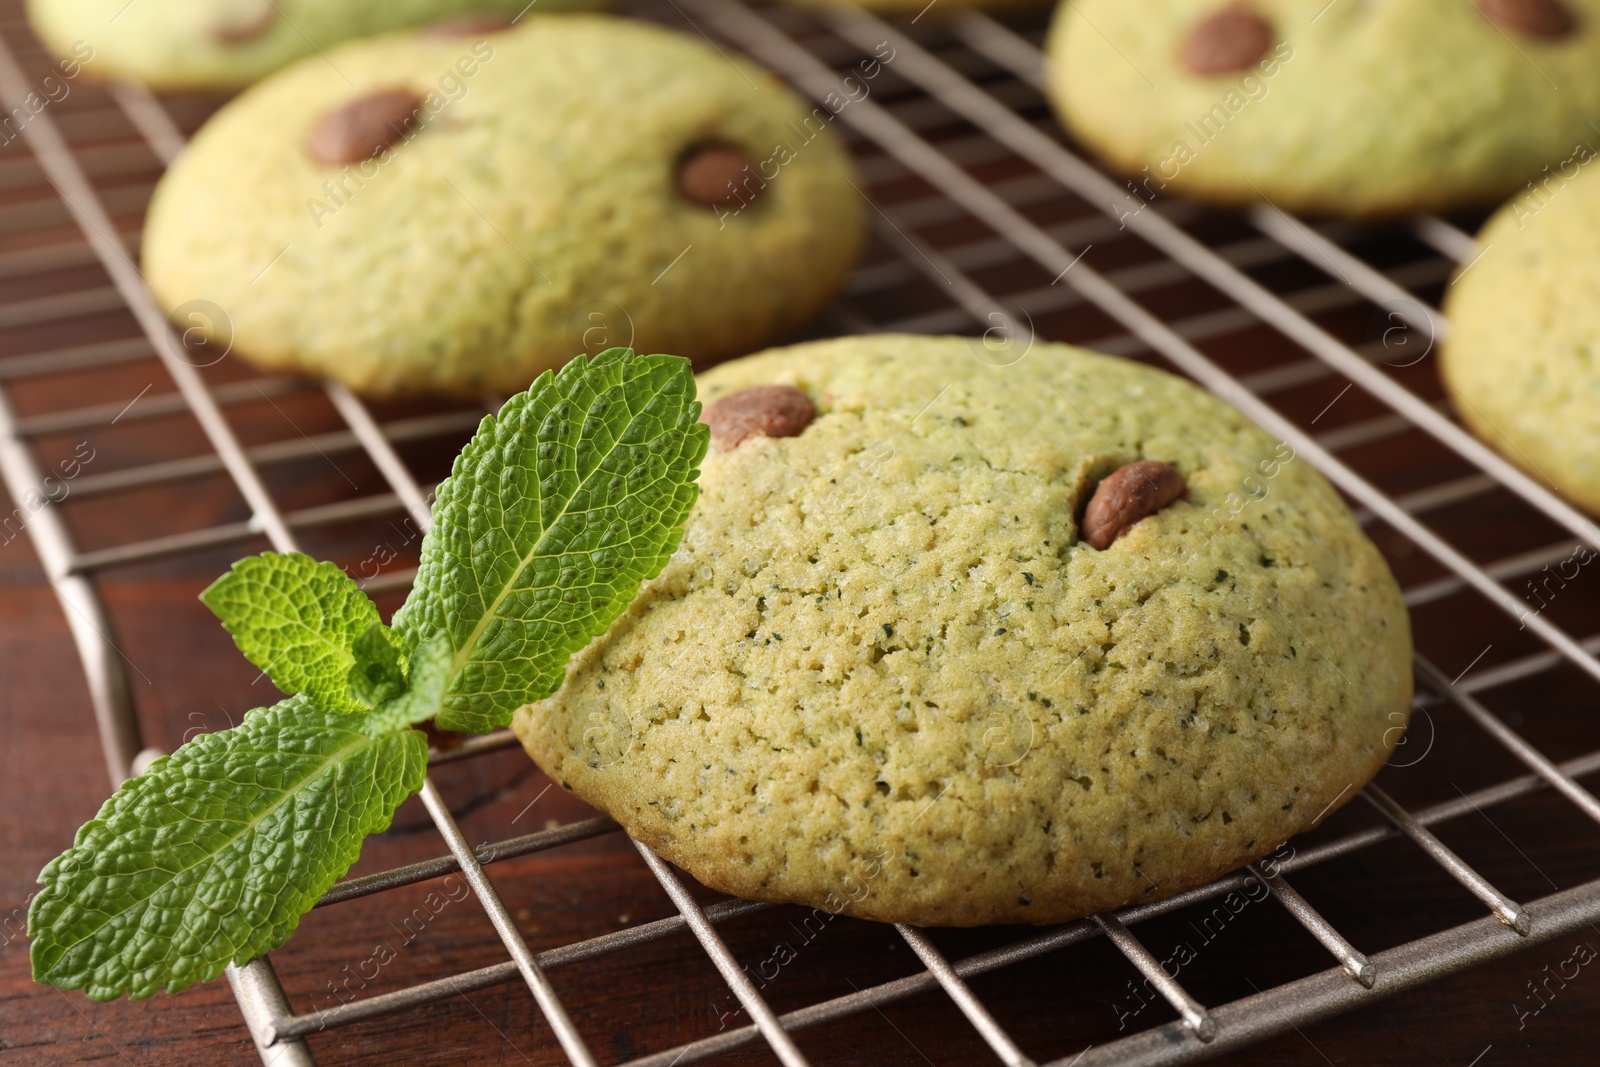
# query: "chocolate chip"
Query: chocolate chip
710,174
365,127
765,410
243,31
1127,495
1548,20
1234,39
467,26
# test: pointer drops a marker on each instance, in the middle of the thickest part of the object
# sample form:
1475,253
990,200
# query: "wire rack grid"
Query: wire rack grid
987,218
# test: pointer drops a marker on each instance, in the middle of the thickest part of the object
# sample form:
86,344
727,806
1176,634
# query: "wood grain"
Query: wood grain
186,676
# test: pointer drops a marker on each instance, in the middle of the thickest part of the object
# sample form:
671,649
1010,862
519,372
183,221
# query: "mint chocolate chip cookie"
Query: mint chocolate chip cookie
949,643
1523,357
455,214
1359,109
220,44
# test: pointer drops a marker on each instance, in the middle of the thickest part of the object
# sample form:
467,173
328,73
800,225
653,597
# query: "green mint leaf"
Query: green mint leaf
552,515
296,619
377,674
432,665
213,854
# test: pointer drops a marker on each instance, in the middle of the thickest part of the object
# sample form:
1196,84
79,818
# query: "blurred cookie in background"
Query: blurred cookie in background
1522,361
221,44
429,214
1360,109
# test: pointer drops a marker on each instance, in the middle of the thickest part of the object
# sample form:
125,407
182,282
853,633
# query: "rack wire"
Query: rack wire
986,220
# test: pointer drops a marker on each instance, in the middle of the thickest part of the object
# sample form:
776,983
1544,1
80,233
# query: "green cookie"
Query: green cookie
1523,357
887,674
547,190
201,44
1362,109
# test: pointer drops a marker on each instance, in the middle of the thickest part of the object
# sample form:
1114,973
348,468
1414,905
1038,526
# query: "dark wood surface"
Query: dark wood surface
186,676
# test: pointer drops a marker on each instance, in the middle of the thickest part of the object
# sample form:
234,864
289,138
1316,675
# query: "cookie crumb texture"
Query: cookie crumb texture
221,44
883,675
530,212
1360,109
1522,361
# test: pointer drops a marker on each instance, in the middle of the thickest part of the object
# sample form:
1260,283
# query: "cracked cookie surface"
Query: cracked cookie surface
884,675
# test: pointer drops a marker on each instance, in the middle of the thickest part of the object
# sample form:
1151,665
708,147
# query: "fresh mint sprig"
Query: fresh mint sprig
520,573
553,514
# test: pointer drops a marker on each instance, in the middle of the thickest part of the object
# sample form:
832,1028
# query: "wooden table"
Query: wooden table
187,677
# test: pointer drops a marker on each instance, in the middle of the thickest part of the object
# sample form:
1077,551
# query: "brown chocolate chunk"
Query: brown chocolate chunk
479,25
712,175
243,31
1127,495
1234,39
365,127
1548,20
764,410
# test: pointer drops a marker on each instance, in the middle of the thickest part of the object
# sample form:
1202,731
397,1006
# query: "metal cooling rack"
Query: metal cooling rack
969,179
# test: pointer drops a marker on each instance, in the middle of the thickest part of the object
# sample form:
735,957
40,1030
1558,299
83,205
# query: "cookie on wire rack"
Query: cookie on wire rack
1522,360
225,44
1360,109
426,214
949,643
